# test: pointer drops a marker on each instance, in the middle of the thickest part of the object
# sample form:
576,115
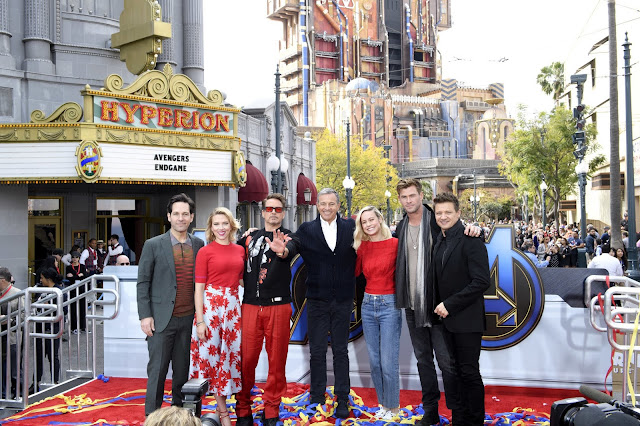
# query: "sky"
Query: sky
490,41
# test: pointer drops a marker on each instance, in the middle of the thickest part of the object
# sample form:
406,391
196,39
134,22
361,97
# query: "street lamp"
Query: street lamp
543,189
278,180
475,200
581,170
387,194
348,183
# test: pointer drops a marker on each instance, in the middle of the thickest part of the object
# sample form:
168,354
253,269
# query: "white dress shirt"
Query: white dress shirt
608,262
330,231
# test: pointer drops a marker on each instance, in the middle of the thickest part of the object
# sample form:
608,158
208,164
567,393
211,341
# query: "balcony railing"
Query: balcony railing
278,9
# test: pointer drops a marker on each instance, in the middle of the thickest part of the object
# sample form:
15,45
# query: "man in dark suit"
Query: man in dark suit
326,247
165,301
460,272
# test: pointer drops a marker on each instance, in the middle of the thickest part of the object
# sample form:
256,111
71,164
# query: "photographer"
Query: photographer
174,416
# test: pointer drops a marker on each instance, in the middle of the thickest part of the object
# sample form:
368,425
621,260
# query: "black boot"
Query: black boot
244,421
271,422
342,410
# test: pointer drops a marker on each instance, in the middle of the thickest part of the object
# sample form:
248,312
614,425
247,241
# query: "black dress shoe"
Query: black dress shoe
244,421
273,421
342,410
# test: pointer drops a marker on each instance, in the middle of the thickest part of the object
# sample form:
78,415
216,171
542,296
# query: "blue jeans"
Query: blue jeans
382,325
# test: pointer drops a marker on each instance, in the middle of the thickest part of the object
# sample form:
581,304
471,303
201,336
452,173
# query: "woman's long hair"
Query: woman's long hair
359,235
232,221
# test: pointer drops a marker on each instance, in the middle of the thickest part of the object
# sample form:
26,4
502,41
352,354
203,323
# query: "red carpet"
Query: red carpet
120,401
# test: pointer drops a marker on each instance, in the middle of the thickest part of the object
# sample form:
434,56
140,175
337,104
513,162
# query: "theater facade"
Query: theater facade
111,164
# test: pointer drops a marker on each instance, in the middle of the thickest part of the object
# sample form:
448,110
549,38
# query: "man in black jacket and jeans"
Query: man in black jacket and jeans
326,247
266,310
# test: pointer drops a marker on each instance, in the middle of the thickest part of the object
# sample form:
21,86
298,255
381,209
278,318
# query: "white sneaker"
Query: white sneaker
389,416
380,413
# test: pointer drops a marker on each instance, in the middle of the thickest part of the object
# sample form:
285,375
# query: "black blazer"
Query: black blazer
330,274
464,279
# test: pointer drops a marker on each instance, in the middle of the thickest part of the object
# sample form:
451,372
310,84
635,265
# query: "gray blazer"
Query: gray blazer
157,284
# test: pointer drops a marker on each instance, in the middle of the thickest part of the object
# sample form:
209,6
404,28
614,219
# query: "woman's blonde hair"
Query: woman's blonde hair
359,235
232,221
174,416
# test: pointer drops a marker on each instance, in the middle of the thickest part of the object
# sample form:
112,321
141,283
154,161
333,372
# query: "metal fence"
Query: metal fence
48,338
617,313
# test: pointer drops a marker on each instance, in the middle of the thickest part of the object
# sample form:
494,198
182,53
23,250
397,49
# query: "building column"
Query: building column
37,40
14,221
168,54
6,59
193,41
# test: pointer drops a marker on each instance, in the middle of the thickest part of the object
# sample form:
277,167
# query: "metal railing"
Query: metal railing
621,307
44,328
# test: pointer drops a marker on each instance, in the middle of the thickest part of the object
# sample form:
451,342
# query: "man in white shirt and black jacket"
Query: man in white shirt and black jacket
266,310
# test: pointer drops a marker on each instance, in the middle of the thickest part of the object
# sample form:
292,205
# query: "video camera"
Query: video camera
607,411
192,393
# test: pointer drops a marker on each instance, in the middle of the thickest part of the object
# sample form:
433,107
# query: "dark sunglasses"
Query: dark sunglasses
270,209
123,264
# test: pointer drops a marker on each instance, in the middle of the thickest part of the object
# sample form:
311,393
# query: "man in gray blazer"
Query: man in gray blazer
165,301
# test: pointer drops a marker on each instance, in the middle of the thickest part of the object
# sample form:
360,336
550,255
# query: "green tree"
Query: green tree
369,170
551,80
543,148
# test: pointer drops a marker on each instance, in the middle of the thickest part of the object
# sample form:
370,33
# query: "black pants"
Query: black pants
465,349
78,310
326,317
426,341
49,348
169,345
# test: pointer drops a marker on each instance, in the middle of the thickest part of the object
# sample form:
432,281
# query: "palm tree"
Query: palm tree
551,80
614,130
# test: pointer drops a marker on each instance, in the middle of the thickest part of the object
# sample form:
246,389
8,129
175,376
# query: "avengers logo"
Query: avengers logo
515,300
299,323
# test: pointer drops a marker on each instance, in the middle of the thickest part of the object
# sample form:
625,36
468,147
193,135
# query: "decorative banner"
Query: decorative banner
147,115
88,155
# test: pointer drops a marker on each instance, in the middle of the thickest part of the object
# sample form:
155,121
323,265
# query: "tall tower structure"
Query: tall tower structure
387,41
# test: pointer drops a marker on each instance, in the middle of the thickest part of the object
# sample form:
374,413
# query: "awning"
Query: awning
256,189
304,183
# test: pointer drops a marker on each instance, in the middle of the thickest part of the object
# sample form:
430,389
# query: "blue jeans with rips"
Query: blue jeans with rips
382,325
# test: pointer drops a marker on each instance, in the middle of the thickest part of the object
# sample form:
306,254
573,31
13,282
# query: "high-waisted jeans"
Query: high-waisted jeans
382,325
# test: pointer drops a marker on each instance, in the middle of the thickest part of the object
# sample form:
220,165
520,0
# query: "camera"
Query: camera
192,393
607,412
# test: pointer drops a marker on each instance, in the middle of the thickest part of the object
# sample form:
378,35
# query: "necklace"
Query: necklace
413,240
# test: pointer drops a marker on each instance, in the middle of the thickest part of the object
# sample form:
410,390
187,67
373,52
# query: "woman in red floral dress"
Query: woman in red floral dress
215,342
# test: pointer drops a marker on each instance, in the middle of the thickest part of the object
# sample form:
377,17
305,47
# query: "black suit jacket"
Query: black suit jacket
463,281
330,274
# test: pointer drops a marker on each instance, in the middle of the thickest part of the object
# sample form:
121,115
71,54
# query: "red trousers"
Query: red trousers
270,324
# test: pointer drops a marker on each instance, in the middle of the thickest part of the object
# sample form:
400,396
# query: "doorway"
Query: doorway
45,230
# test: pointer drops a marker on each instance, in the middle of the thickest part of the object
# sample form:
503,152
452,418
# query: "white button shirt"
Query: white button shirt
330,231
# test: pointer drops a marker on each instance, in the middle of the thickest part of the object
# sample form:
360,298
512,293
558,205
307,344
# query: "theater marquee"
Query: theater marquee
160,129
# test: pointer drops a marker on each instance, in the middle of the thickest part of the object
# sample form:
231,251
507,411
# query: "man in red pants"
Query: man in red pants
266,310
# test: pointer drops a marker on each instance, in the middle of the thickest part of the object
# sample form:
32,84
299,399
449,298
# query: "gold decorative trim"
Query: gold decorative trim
163,86
12,134
154,141
51,135
116,138
9,181
70,112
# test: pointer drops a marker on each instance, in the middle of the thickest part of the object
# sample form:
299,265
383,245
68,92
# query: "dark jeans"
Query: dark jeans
326,317
426,341
169,345
11,378
78,310
465,349
49,348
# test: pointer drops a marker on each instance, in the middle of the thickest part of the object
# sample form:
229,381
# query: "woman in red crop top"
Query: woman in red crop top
215,341
381,321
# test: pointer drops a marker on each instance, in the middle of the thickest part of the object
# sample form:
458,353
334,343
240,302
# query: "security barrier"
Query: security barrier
55,338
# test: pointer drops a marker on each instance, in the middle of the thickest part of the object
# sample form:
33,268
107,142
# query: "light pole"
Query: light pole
278,187
387,194
632,258
278,168
543,189
348,183
475,200
581,170
526,208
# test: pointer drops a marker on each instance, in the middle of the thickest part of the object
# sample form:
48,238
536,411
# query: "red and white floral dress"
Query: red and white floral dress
217,358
